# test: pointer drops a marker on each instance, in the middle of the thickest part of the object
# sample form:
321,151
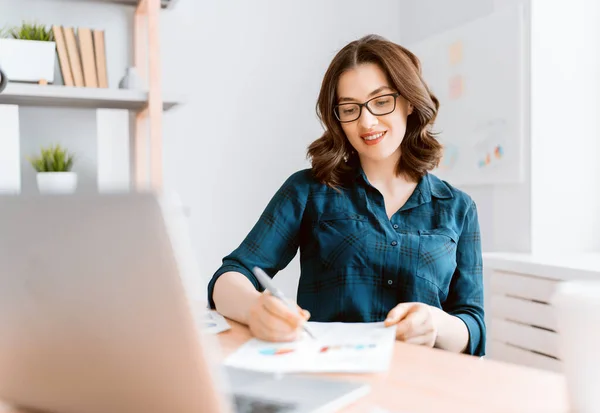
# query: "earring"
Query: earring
348,155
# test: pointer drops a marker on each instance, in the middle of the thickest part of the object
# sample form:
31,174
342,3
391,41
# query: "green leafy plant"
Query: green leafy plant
31,31
52,159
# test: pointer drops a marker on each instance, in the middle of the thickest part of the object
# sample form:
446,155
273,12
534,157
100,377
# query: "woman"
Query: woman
380,237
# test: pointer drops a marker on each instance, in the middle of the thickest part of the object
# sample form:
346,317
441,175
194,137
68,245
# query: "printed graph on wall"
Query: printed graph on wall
477,72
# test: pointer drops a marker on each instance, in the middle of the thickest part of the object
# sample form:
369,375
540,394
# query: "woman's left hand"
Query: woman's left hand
415,323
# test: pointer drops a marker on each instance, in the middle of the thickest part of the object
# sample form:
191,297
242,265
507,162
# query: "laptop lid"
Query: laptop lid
93,313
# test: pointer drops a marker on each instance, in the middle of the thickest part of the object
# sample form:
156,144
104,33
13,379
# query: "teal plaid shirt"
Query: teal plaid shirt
356,264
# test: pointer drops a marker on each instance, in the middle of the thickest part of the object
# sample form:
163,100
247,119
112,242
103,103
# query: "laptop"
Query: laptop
95,317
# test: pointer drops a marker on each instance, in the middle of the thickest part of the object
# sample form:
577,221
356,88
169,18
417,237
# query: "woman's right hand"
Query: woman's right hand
271,320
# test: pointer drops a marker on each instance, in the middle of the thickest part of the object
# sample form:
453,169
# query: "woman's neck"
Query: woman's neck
384,173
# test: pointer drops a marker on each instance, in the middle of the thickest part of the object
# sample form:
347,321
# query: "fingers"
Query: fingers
272,320
397,313
304,313
414,324
280,310
265,334
264,329
422,340
276,324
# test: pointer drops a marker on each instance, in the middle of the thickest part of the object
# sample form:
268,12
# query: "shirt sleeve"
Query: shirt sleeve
273,241
465,299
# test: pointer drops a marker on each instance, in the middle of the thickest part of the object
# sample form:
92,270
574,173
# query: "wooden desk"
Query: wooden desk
425,380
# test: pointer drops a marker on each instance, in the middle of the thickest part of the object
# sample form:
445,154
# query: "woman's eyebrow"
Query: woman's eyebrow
373,93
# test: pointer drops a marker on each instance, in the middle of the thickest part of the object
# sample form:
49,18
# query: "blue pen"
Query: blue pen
265,281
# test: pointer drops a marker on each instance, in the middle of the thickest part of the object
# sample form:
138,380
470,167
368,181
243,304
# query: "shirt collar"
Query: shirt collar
359,174
438,188
429,186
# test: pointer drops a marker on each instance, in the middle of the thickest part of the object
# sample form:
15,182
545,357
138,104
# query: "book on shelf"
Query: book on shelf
88,59
100,50
63,56
82,56
74,58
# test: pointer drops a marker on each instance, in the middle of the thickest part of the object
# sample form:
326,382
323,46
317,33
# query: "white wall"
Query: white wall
504,210
565,126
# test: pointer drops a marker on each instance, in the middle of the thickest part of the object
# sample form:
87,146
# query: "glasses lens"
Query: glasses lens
382,105
348,112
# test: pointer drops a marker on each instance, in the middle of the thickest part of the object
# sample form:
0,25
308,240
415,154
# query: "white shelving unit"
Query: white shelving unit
165,4
128,156
90,98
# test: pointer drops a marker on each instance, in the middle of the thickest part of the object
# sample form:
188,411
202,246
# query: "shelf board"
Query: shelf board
77,97
165,4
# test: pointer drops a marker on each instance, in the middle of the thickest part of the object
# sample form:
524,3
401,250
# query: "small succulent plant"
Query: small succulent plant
52,159
29,31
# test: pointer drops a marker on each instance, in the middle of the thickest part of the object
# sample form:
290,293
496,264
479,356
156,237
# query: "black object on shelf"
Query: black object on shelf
3,80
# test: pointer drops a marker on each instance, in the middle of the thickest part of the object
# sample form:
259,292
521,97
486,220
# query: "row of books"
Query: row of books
82,57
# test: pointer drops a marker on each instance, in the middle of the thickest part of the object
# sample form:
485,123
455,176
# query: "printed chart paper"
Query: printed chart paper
212,322
339,347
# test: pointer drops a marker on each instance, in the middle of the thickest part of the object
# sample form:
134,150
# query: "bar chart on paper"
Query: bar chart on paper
339,347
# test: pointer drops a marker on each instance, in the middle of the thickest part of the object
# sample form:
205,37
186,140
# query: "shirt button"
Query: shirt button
390,282
394,243
395,226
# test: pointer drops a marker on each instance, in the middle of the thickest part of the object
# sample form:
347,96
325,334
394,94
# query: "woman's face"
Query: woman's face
374,138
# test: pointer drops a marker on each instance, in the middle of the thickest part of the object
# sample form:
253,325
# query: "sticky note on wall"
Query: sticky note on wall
456,85
455,53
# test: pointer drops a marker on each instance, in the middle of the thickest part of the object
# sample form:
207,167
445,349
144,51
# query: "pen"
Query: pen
265,281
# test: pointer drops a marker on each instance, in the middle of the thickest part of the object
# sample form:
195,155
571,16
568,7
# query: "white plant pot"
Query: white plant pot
27,60
57,182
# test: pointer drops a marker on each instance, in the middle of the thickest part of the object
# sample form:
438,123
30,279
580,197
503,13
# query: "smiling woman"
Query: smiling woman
389,76
380,237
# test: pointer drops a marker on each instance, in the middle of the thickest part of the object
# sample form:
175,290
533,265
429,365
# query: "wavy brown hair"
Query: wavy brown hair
332,156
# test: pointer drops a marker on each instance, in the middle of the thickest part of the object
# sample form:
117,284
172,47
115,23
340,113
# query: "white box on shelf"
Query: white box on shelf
28,60
113,150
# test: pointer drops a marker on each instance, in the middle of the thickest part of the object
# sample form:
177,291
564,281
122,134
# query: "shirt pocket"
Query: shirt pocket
437,257
342,239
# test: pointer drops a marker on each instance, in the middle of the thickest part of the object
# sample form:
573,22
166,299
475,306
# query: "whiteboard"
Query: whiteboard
477,73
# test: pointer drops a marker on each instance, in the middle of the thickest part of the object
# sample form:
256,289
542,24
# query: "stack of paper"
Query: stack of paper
212,322
338,347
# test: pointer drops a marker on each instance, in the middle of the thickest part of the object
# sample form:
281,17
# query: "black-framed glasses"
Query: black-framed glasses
378,106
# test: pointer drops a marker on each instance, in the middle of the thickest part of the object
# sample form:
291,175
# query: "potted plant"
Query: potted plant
53,167
28,53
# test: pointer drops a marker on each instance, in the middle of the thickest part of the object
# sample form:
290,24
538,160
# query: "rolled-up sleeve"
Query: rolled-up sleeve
273,241
465,300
